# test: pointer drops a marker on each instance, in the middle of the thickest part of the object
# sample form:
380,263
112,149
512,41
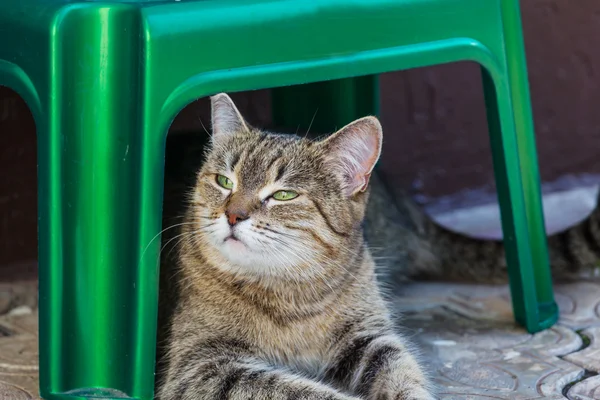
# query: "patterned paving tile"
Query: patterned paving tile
14,392
579,304
476,351
473,359
589,357
588,389
19,342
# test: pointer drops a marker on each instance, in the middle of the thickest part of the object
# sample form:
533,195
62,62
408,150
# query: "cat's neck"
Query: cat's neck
277,295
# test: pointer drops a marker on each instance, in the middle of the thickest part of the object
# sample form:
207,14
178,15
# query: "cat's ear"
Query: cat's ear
226,119
353,151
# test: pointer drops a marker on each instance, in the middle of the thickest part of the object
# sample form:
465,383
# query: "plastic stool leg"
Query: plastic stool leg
523,120
530,283
98,269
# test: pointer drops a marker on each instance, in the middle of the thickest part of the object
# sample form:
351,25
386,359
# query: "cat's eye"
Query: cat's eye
224,182
283,195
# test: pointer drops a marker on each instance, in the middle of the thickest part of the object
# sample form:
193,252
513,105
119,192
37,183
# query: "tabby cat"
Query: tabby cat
276,296
408,244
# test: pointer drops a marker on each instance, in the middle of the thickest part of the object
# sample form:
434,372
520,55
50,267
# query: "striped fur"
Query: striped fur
293,311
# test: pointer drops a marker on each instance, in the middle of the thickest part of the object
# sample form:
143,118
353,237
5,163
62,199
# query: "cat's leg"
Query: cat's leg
380,367
240,378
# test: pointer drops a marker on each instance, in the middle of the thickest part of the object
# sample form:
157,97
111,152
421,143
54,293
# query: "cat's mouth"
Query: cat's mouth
232,238
234,243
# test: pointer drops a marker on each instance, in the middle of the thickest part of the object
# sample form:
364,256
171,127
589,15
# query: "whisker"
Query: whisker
203,127
158,234
311,122
174,238
189,236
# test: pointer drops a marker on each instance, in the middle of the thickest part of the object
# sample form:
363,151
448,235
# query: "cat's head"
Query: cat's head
280,205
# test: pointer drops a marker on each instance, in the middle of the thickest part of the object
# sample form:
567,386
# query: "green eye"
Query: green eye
284,195
224,182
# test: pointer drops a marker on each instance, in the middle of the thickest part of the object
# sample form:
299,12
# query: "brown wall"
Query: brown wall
18,217
436,135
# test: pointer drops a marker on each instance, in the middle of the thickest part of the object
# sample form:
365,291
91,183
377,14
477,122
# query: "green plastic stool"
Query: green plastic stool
104,80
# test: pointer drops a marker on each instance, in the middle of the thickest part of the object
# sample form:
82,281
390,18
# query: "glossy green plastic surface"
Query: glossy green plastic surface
104,80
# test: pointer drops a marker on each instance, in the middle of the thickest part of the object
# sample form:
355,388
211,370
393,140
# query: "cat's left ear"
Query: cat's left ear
353,151
226,119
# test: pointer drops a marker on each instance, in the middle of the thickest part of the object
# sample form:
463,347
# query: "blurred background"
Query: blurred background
436,141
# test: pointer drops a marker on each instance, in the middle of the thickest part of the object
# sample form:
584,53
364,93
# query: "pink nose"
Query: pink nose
235,216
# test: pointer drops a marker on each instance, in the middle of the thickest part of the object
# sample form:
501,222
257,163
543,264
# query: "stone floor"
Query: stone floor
466,333
18,341
475,351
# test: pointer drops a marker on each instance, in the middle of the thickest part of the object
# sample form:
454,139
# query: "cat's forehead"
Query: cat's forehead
262,157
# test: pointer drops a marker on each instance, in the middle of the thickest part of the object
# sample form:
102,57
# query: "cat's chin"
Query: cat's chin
233,244
242,260
244,255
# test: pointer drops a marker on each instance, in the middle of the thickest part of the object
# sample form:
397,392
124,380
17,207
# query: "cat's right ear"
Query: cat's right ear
353,151
226,119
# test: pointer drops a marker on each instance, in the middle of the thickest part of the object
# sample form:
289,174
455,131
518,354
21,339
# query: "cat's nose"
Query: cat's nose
235,216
